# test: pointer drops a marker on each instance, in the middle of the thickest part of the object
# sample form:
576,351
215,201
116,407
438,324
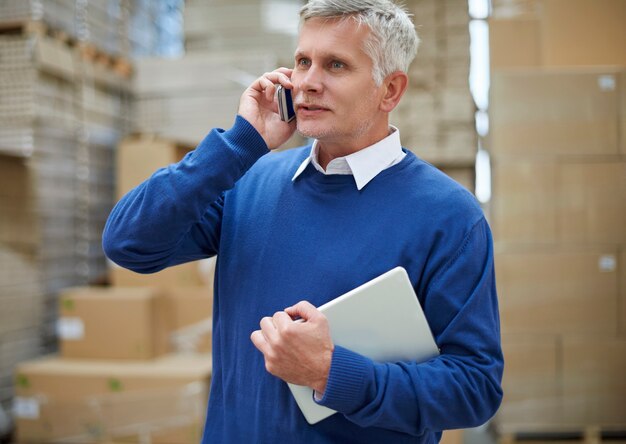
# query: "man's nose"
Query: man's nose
312,80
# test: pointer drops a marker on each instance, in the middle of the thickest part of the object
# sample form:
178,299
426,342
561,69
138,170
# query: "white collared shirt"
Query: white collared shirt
365,164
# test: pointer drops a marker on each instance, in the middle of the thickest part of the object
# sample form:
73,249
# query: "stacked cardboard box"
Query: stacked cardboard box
228,46
95,22
436,115
186,286
95,401
183,99
115,378
242,25
557,33
49,178
559,212
117,323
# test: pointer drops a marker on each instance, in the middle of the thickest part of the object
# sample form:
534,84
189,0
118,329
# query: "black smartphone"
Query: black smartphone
285,104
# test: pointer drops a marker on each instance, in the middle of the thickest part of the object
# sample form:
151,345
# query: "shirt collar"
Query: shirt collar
364,165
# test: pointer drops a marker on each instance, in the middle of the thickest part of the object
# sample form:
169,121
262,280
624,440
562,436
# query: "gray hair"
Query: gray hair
392,42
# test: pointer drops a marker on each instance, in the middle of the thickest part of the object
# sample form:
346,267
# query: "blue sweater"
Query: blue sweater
281,241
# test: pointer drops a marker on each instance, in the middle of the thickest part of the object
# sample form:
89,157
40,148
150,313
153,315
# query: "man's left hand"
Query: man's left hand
297,352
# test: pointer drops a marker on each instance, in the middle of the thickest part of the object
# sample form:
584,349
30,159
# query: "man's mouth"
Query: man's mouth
308,107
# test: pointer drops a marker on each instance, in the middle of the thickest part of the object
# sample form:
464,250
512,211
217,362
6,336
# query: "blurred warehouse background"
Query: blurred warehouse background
521,101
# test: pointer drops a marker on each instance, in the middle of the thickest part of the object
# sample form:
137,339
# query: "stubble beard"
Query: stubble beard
332,131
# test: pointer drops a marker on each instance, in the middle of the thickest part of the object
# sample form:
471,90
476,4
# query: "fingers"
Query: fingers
268,329
259,341
266,84
272,328
303,309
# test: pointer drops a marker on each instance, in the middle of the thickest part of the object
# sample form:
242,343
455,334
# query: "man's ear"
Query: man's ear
395,86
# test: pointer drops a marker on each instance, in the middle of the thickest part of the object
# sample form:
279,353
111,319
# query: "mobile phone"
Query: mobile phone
285,104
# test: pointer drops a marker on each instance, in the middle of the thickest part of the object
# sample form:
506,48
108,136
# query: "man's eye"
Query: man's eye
337,65
304,62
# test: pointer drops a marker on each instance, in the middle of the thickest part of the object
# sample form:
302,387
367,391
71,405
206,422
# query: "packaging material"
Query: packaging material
523,208
602,43
452,437
622,107
95,401
593,379
561,384
204,94
622,297
548,32
532,367
457,105
503,9
548,203
592,205
113,323
139,156
187,434
16,346
558,291
61,116
465,176
456,14
191,311
190,274
514,42
557,142
243,25
539,113
436,113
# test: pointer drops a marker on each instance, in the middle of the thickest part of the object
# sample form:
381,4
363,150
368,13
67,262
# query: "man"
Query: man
296,229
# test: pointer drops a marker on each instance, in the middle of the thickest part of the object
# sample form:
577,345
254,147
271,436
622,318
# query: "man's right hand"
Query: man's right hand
258,106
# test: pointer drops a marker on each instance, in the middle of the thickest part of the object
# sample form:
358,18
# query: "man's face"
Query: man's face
336,98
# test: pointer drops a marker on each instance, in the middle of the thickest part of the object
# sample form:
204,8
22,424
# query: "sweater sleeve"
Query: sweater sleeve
175,215
461,387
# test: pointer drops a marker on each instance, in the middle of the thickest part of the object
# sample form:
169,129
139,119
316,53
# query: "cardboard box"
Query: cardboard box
189,117
456,14
140,156
187,434
514,8
594,382
539,113
113,323
592,202
523,203
582,384
190,274
531,383
622,297
456,105
548,33
92,401
465,176
201,72
622,82
532,366
543,413
514,43
558,291
452,437
603,41
191,310
561,383
549,203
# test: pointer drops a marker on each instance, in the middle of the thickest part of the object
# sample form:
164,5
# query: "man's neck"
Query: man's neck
329,150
